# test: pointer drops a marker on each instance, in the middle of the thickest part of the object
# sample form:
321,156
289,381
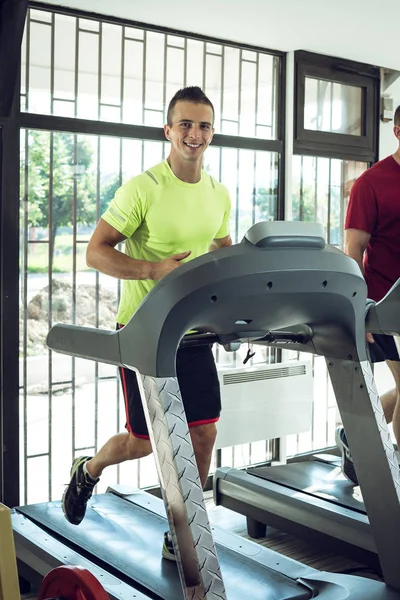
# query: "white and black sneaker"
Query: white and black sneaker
347,462
78,492
168,548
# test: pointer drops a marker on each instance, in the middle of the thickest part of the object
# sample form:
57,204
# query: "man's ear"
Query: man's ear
166,131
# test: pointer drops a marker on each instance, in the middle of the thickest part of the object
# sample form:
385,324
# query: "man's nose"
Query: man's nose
194,131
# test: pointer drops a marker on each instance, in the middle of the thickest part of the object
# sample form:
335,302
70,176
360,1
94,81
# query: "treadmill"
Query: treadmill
311,499
282,281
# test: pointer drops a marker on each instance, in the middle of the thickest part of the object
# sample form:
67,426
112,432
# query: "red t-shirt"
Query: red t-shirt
374,207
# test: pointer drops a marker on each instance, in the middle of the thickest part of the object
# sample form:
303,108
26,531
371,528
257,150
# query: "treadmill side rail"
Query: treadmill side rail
373,455
190,530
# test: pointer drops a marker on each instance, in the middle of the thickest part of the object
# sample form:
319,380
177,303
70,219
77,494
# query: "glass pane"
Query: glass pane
248,92
252,180
89,25
230,128
23,68
333,107
213,85
175,76
88,76
37,479
69,406
230,109
154,96
40,15
40,68
195,63
110,113
63,108
103,67
267,93
114,73
214,48
174,40
64,61
134,34
133,83
246,189
320,191
250,56
111,56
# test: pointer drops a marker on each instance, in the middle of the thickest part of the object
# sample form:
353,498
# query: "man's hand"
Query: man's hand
220,243
162,268
370,338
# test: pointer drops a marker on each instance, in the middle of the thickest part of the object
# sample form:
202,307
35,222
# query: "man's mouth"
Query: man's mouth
192,145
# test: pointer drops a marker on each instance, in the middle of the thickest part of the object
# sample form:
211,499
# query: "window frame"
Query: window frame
329,144
10,128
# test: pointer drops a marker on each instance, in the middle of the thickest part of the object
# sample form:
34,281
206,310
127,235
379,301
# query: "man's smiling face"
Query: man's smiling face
191,130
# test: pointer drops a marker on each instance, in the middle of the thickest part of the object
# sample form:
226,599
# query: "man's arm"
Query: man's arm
355,244
220,243
102,255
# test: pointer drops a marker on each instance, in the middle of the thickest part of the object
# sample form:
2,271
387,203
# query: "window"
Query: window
108,71
335,140
93,102
336,103
333,107
320,192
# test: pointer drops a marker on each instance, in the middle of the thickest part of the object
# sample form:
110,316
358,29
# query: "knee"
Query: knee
138,447
203,438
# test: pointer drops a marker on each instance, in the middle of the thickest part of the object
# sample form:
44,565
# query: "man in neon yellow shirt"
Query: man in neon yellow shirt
172,213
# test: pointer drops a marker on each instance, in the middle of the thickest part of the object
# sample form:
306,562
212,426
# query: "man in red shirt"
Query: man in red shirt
372,238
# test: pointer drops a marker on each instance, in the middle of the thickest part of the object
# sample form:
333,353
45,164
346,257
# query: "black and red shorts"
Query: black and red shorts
383,348
199,385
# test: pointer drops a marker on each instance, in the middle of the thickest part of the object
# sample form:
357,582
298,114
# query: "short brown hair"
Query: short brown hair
188,94
397,117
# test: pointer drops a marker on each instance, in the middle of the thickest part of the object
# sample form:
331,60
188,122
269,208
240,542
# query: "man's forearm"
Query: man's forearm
110,261
358,256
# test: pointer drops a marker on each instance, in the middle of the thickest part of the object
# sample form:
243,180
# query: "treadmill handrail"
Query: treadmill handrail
384,316
239,292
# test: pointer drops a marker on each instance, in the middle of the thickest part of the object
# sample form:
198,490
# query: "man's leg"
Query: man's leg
118,449
391,400
385,349
203,440
86,470
198,382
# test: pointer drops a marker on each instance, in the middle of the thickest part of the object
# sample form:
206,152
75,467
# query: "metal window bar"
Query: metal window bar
301,190
119,288
99,69
144,76
50,313
74,200
316,165
97,296
274,98
25,305
323,395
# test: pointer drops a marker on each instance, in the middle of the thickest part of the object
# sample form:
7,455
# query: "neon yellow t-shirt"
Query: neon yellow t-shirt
160,216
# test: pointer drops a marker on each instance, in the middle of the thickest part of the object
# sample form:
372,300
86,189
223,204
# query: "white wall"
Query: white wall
387,141
361,30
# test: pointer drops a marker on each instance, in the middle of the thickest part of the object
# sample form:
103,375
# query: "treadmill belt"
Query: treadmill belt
129,538
314,478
